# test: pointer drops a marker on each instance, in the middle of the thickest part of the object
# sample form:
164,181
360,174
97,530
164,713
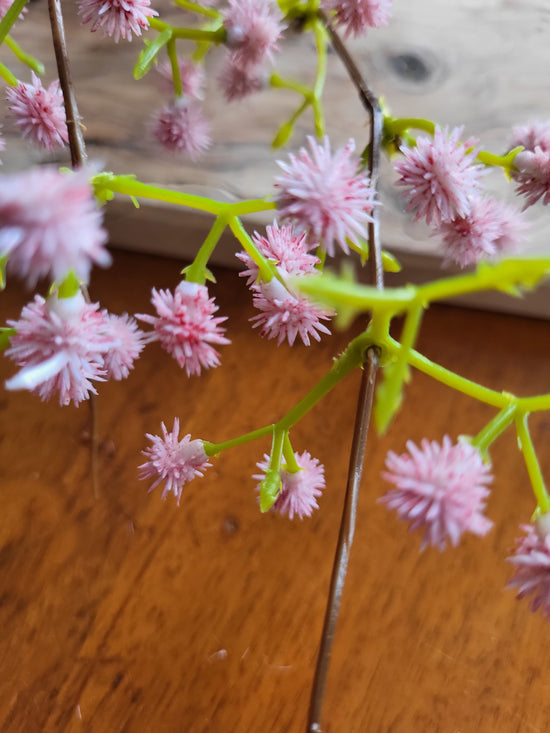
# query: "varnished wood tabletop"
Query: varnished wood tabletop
127,613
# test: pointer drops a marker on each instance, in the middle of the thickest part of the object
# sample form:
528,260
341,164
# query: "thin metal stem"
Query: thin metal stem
79,157
364,403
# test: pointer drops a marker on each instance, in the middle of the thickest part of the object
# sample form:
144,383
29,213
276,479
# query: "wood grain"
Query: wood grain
127,613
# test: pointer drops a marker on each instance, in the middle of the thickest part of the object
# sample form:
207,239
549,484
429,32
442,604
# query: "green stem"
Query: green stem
191,34
10,17
176,75
396,127
197,270
484,439
532,463
251,206
320,34
130,187
265,270
24,57
7,76
196,8
214,449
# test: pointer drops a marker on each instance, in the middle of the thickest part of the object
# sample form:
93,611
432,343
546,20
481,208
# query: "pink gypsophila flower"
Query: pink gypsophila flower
39,112
326,195
253,28
290,252
192,78
441,489
237,83
181,127
50,224
285,315
60,344
532,565
118,18
174,461
300,490
532,166
185,326
440,176
358,15
126,345
491,228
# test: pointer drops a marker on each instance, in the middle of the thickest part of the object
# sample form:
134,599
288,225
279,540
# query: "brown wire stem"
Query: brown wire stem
78,159
364,402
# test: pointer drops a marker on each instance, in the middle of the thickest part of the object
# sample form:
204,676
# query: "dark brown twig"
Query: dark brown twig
78,159
364,403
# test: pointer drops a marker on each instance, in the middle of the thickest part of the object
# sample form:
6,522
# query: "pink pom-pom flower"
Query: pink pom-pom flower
236,82
253,28
440,176
174,461
181,127
186,327
299,490
491,229
39,112
532,565
358,15
192,78
117,18
326,194
127,344
50,224
441,489
532,165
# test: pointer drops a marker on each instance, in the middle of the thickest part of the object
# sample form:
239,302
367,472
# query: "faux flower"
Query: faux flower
126,345
289,251
358,15
492,228
300,490
59,343
237,83
253,28
440,489
181,127
39,112
117,18
191,75
174,461
532,565
326,194
440,176
186,327
532,166
50,224
285,315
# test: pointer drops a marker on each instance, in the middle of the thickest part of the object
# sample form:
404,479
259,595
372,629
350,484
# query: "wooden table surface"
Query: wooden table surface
127,613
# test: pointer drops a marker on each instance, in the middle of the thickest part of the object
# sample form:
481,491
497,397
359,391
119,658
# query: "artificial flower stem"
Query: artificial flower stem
396,127
10,17
278,82
251,206
532,463
24,57
265,271
196,8
7,76
214,449
191,34
176,75
502,420
130,187
320,34
197,270
291,464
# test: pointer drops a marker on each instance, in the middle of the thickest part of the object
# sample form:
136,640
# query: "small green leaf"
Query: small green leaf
69,287
3,263
149,53
269,489
283,135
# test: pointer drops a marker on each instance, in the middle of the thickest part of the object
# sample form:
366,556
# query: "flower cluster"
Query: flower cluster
327,195
442,185
299,489
284,313
186,327
64,344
